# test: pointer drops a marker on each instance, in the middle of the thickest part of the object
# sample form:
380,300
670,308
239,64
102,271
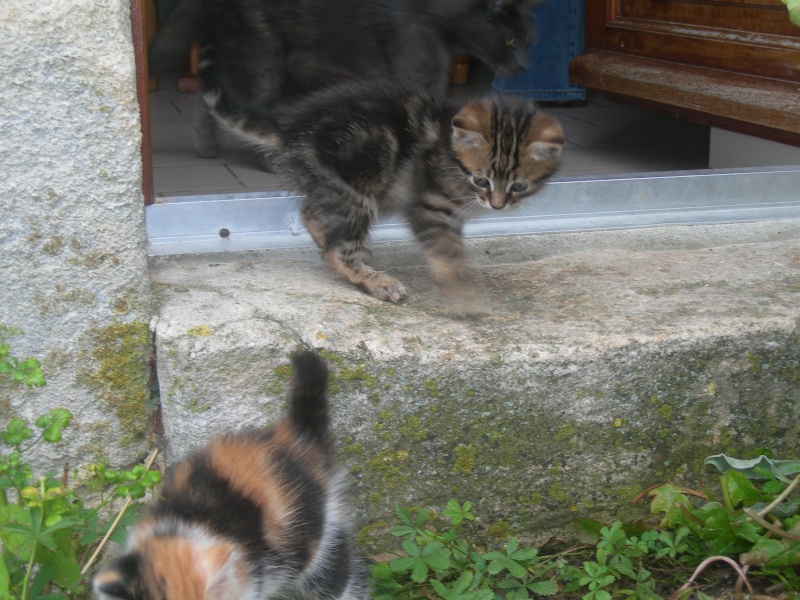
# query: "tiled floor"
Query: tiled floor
604,138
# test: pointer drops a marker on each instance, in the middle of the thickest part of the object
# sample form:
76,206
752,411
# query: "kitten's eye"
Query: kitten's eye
518,187
482,183
510,42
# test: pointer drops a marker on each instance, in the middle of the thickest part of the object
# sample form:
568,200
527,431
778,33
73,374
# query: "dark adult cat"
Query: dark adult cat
251,516
271,49
361,150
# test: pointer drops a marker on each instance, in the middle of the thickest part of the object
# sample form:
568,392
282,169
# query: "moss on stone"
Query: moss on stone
332,357
430,386
357,373
755,364
565,432
387,466
651,424
465,459
281,375
557,492
195,406
500,530
199,331
666,411
122,352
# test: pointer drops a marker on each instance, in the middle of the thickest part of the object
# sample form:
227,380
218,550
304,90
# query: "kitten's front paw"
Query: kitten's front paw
464,302
384,287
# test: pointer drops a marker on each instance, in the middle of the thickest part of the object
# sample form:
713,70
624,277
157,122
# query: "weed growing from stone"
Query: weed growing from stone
47,527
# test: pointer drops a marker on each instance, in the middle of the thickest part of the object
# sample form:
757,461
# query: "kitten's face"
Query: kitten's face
507,150
173,568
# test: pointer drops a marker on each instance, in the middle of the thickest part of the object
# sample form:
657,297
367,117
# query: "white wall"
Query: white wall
732,150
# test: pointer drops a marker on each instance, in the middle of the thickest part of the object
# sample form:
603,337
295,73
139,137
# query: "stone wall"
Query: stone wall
72,238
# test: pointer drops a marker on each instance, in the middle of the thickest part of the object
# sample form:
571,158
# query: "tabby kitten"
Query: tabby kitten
252,515
273,49
361,150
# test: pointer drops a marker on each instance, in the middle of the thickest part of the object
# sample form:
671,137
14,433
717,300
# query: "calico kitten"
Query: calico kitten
273,49
253,515
361,150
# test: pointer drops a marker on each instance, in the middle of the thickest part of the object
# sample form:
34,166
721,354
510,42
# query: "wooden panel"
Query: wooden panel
730,63
756,54
767,107
762,17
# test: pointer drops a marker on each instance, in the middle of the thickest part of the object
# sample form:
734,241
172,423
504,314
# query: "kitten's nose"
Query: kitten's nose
497,201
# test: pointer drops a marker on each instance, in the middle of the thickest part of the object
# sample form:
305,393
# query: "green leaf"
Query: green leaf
16,432
4,580
53,423
419,573
750,468
436,556
67,568
793,7
547,587
43,577
403,515
784,510
671,501
740,490
773,553
457,513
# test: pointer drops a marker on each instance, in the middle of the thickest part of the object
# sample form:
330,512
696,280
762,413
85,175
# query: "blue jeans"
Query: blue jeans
560,38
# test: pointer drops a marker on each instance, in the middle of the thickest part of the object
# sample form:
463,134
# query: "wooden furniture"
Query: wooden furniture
728,63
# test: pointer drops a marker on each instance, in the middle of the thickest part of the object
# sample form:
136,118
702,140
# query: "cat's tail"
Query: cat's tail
308,399
255,123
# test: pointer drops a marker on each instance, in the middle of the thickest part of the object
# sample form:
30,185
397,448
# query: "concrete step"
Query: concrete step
607,361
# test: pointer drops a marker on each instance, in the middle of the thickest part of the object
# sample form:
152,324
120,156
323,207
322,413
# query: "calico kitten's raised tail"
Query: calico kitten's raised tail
361,150
253,515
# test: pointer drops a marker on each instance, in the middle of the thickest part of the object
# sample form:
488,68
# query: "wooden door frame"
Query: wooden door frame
139,36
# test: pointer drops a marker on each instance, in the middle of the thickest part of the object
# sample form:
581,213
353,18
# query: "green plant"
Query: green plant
618,567
445,561
27,371
754,517
47,528
753,527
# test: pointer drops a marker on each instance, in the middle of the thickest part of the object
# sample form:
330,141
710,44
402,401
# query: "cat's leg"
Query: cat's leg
438,228
336,572
203,126
339,223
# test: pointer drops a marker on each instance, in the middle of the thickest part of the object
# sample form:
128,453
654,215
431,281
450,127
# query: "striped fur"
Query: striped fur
361,150
272,50
253,515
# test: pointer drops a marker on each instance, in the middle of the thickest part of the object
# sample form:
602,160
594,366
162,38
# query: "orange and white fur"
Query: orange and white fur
253,515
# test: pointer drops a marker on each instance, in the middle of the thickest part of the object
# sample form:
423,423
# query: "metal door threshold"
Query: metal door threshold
230,222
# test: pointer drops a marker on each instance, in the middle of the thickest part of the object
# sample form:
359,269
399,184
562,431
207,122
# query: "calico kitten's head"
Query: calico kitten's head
497,32
174,568
507,149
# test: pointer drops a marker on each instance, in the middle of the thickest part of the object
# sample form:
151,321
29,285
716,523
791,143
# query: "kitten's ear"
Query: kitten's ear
111,582
219,567
471,123
546,139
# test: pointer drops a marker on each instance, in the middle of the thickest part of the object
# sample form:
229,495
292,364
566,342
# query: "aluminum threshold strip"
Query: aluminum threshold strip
194,224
